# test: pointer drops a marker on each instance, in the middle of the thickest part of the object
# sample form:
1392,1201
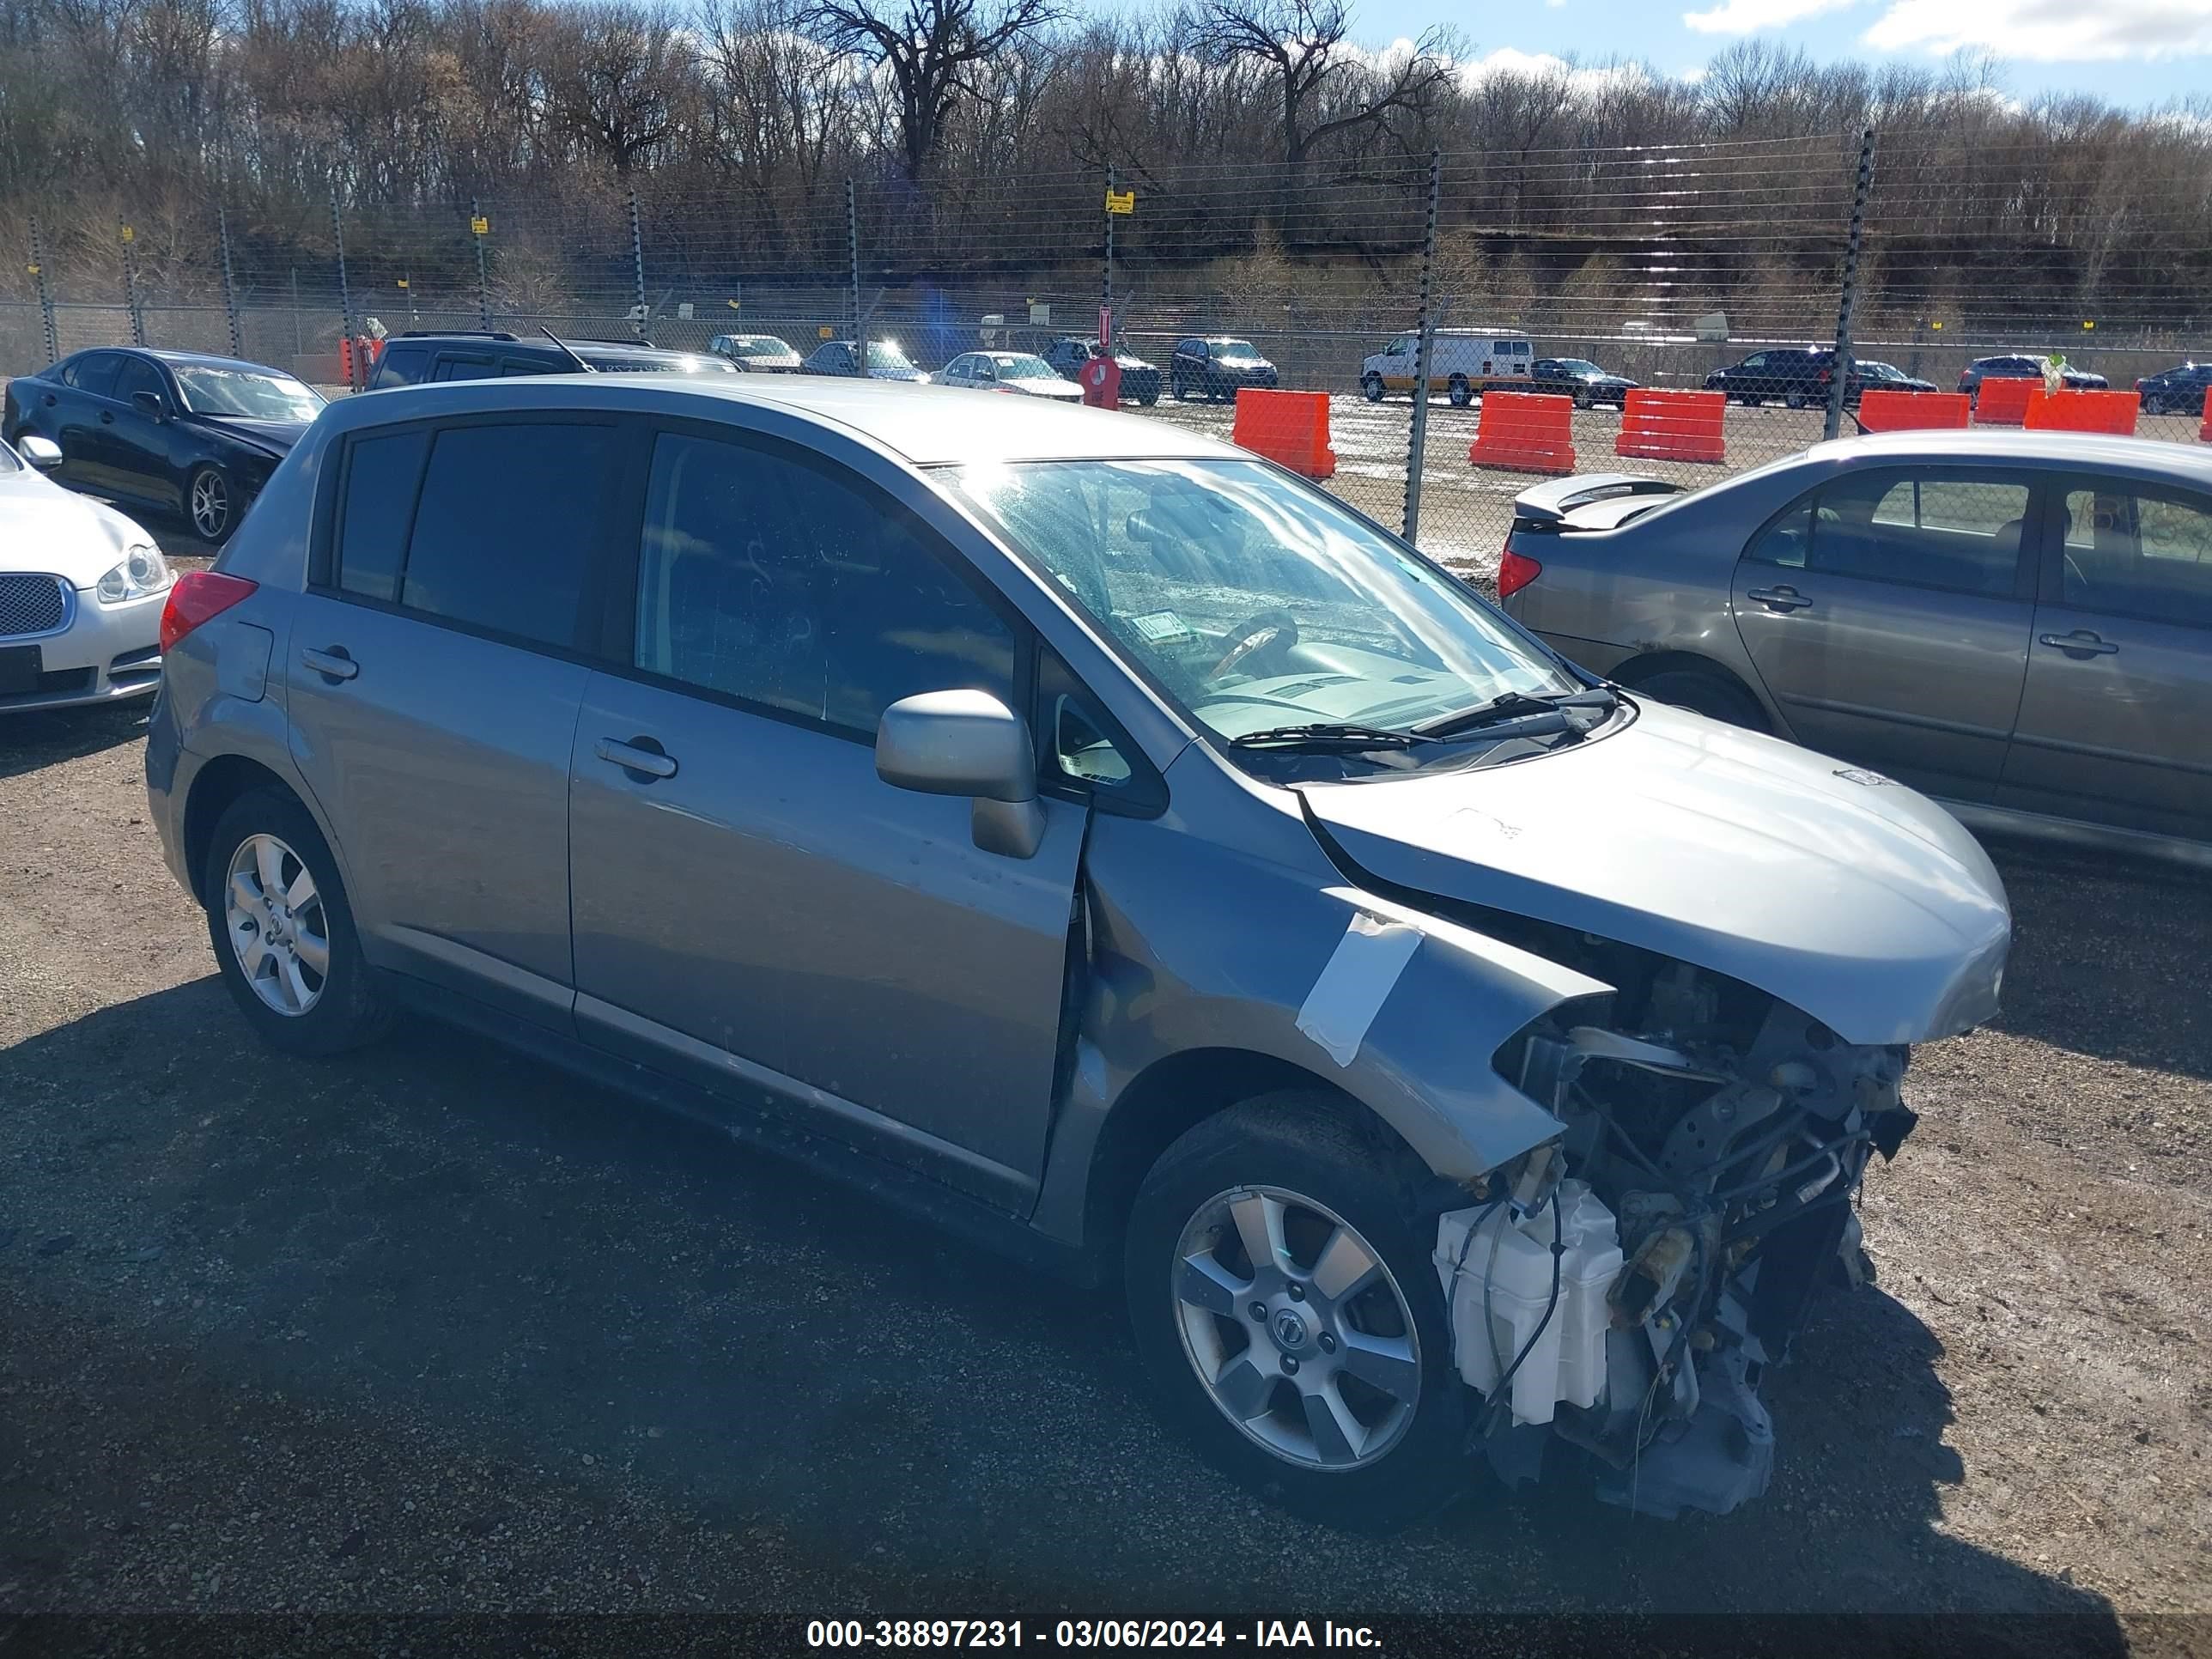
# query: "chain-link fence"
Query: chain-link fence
1789,274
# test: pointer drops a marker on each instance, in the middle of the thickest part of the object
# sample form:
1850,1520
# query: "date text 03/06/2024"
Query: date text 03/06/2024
1085,1633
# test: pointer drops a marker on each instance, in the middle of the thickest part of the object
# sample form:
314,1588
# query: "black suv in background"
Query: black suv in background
1219,366
2176,390
1141,381
1798,375
2020,366
412,359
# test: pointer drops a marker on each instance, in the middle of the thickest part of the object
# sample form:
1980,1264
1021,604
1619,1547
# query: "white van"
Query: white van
1464,362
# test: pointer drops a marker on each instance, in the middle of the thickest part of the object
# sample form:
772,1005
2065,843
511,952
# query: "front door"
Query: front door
434,676
2116,728
754,907
1888,616
138,442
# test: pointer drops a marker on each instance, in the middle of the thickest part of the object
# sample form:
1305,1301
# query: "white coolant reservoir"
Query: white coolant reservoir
1513,1255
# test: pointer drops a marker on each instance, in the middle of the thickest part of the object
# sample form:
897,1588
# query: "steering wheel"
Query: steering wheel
1268,630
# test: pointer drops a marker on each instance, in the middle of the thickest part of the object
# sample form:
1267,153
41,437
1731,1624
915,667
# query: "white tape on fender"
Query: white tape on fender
1356,983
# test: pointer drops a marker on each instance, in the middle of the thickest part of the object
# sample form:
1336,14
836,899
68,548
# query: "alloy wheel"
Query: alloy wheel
211,505
278,931
1296,1327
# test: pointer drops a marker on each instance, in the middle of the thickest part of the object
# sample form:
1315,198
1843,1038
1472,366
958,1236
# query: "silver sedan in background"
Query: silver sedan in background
2017,623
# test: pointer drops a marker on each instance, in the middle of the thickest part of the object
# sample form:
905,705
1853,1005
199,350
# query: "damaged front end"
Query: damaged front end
1626,1284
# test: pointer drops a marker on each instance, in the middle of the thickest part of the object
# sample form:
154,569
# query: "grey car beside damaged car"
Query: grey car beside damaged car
2018,623
1111,846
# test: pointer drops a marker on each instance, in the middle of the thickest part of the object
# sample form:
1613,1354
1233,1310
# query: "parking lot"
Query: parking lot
436,1330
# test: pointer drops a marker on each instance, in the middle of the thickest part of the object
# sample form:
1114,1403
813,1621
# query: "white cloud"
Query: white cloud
2048,31
1581,80
1744,17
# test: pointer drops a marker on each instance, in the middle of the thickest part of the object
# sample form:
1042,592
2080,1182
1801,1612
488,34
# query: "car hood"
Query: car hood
44,527
1845,895
278,437
1063,390
1136,363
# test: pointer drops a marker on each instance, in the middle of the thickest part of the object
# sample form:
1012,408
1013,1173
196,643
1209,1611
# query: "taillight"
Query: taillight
1515,571
198,596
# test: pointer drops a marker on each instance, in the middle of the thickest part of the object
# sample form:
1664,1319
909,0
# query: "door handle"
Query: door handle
332,664
642,757
107,419
1779,598
2080,643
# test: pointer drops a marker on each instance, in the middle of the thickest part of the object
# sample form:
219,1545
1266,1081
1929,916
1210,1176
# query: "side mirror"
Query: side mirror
1139,527
150,403
43,454
967,743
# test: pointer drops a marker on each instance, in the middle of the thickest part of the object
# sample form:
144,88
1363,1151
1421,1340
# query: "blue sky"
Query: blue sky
2131,51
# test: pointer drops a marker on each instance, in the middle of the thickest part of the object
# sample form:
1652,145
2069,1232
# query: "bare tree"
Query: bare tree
1325,86
931,49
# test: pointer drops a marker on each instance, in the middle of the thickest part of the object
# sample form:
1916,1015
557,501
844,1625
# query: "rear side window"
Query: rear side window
798,587
94,373
505,526
463,368
2136,552
402,365
381,475
1960,532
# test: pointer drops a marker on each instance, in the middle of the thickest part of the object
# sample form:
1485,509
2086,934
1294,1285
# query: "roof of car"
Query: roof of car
2057,449
923,425
203,360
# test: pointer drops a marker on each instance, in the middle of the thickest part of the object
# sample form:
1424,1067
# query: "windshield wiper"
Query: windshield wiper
1514,705
1322,735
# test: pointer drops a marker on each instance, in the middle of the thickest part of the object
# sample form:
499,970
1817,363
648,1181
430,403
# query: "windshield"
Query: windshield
885,354
1025,368
260,397
1234,349
1254,601
743,348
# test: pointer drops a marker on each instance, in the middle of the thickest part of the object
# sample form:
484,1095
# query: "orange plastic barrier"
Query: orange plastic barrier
2004,402
1673,426
359,356
1525,432
2204,432
1289,427
1913,411
2113,412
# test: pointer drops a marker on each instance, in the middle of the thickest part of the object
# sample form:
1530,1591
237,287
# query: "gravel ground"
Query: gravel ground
436,1330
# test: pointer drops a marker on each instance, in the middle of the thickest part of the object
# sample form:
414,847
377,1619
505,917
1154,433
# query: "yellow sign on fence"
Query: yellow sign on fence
129,234
1124,202
480,226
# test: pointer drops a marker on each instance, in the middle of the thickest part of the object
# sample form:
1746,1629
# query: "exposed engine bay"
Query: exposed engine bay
1625,1285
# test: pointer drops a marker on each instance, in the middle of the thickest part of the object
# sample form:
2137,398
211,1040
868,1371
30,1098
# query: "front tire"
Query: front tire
1459,392
1370,387
1342,1402
211,504
283,933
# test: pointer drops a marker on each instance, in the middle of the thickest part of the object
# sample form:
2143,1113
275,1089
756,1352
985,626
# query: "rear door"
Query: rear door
434,679
1888,614
754,907
2115,725
82,420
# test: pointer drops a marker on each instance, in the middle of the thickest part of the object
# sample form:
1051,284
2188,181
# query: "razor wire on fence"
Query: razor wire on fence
1786,275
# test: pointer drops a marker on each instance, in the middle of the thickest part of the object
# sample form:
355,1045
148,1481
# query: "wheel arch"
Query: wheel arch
216,785
1641,668
1174,1094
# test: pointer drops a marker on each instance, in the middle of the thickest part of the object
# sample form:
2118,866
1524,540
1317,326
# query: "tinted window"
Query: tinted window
381,474
138,375
95,371
402,365
504,529
463,368
522,365
2131,552
796,586
1921,529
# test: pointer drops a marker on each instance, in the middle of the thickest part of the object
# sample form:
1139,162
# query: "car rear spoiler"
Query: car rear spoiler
1550,502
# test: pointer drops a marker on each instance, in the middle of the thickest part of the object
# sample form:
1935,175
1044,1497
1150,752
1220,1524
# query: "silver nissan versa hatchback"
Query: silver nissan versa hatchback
1111,845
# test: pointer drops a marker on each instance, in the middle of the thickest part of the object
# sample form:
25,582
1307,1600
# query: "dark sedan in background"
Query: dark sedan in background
177,431
1580,378
1141,381
2022,365
2176,390
1218,367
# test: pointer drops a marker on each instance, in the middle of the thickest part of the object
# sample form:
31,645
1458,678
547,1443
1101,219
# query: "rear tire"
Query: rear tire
1345,1211
1710,694
346,1009
1459,392
1370,387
